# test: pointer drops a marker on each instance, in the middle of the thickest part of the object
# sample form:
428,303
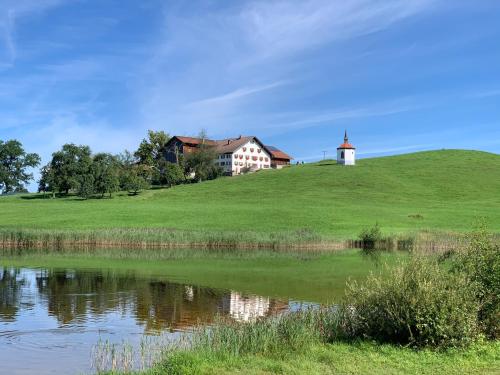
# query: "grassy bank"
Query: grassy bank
428,198
442,191
22,240
342,358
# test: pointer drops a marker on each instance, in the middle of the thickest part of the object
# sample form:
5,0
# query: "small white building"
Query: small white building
346,153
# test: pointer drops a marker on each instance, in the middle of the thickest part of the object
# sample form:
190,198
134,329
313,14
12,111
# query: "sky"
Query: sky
399,75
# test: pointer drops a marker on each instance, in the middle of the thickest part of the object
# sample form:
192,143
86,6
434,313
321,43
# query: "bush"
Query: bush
479,261
370,236
417,304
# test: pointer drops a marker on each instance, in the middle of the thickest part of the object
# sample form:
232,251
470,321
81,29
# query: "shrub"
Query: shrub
370,236
479,261
417,303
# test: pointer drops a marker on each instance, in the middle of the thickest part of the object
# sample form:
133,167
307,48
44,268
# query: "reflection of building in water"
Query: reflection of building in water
78,295
245,308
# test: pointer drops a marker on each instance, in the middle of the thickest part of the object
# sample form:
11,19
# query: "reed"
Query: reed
157,240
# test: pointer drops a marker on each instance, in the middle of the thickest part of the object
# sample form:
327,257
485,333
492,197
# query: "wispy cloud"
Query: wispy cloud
11,11
235,95
284,27
484,94
302,120
387,150
249,43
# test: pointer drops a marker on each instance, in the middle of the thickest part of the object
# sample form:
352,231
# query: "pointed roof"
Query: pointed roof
346,145
278,154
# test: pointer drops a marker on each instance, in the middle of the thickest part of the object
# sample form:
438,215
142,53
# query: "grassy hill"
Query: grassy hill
439,190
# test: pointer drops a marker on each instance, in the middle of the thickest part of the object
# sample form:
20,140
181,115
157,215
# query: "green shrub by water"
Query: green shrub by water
417,303
479,261
370,237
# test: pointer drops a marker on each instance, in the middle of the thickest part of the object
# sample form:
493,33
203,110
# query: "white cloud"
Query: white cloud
235,95
10,12
284,27
212,51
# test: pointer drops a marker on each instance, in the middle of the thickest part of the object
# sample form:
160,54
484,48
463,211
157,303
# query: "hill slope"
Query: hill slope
443,190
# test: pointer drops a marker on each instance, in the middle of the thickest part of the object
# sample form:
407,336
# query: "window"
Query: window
342,155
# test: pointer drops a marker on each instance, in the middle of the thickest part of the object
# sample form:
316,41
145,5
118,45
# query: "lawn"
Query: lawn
438,190
343,358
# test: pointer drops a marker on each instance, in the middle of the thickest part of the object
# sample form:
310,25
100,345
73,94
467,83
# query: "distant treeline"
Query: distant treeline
75,169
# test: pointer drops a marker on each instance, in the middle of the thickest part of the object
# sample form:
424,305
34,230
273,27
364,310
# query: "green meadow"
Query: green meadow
441,191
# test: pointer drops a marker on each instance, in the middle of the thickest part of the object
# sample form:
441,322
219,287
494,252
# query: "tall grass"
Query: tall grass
19,241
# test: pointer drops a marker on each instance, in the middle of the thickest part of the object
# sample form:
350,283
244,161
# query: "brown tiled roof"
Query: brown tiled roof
231,144
278,154
195,141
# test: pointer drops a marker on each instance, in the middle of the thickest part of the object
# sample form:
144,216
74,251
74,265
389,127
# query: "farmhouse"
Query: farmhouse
234,155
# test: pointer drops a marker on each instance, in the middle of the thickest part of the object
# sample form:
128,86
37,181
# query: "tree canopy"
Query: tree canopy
151,153
14,166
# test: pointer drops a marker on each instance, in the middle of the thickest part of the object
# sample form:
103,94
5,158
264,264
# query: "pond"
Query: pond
51,318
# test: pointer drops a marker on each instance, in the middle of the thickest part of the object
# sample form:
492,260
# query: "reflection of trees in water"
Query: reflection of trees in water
10,292
74,296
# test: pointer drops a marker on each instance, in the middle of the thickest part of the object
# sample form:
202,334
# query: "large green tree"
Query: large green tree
151,153
105,170
133,180
201,163
70,169
171,173
14,166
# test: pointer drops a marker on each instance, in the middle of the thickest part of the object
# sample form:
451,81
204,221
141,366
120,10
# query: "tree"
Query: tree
14,162
105,170
70,168
45,183
133,181
151,152
171,173
86,185
201,162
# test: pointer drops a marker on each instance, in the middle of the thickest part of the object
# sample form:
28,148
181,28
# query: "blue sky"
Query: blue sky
399,75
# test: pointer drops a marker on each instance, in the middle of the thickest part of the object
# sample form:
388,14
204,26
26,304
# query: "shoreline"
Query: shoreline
168,239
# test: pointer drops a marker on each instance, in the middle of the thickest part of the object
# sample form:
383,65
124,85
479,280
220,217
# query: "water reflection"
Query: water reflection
50,317
75,296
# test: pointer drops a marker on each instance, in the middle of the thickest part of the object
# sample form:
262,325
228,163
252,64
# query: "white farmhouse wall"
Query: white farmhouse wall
349,156
244,157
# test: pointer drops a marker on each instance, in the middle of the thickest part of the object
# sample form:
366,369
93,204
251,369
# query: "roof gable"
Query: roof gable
278,154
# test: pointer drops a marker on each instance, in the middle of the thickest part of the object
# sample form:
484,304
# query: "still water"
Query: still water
50,319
